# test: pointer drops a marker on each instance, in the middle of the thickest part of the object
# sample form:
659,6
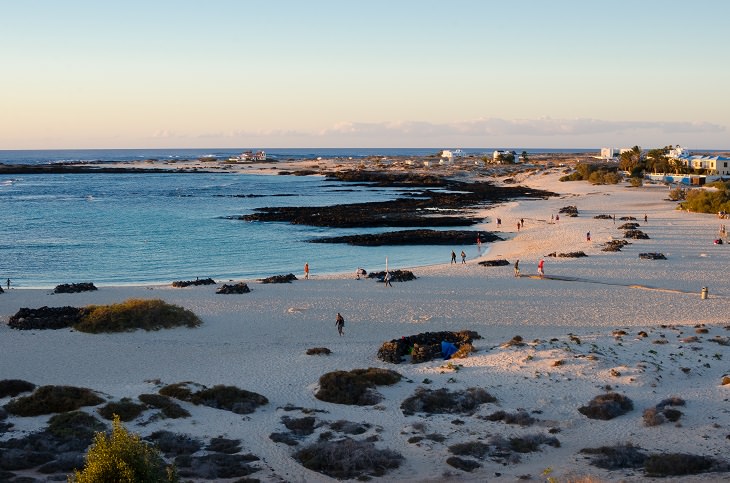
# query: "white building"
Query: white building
713,165
607,153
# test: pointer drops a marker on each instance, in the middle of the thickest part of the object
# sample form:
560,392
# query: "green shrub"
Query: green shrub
475,449
179,391
706,201
594,173
53,399
122,457
135,314
125,409
13,387
616,457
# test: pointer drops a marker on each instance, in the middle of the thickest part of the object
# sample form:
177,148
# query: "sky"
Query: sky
377,73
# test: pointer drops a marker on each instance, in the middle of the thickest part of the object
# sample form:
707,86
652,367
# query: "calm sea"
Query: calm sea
117,229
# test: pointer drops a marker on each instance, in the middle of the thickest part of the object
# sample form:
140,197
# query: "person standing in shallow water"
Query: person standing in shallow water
541,267
453,256
517,268
340,324
8,284
463,257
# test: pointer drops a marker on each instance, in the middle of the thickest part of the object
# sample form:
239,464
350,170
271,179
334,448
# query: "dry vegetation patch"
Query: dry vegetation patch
53,399
347,458
229,398
443,401
356,387
607,406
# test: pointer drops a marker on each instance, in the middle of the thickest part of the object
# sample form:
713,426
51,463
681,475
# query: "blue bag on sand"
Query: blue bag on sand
448,349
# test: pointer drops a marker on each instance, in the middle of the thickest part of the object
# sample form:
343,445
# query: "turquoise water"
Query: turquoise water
117,229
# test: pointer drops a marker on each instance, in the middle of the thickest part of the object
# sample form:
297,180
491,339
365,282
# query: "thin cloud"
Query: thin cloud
516,127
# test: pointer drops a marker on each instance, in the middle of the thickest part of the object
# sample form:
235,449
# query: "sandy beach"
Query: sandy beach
607,322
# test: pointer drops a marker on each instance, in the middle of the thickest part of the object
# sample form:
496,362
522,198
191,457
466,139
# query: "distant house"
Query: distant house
608,154
713,165
249,156
502,157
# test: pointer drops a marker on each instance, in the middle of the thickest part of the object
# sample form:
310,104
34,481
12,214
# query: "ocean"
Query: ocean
121,229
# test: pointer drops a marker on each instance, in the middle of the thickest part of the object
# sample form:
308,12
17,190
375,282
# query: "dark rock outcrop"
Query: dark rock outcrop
413,237
652,256
279,279
629,226
428,207
395,275
570,210
423,347
45,318
494,263
197,281
237,288
615,245
636,235
579,254
74,287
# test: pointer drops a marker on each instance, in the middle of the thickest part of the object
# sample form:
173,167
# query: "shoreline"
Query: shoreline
569,324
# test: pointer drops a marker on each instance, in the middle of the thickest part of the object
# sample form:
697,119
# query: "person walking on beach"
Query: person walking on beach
646,219
340,324
557,218
463,257
541,267
453,256
522,222
518,226
517,268
588,236
386,279
499,222
8,284
306,271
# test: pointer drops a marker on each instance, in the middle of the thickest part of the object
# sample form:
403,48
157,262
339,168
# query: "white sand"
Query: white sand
258,341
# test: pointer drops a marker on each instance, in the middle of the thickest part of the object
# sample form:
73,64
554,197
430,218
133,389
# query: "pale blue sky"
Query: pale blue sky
410,73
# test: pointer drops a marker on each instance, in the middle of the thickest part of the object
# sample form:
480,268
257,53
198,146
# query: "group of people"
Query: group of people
453,256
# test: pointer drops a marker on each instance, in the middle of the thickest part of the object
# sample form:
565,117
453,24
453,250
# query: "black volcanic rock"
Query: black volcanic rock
237,288
279,279
413,237
429,207
74,287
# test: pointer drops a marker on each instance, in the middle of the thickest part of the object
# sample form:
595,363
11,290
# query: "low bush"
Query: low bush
53,399
462,464
169,408
356,387
135,314
125,409
230,398
349,427
122,457
347,458
443,401
13,387
174,444
616,457
531,442
224,445
299,426
607,406
520,417
677,464
475,449
74,424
